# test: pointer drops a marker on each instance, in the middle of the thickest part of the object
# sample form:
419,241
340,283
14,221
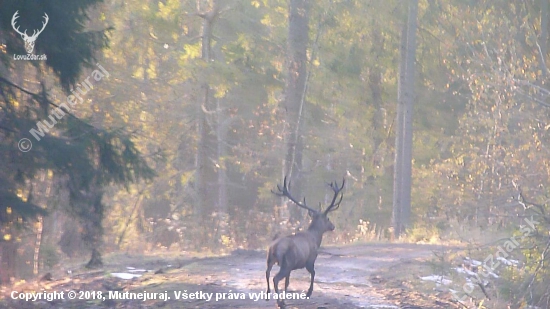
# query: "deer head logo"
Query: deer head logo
29,40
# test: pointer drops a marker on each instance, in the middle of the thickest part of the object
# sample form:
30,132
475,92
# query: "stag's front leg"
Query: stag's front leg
311,269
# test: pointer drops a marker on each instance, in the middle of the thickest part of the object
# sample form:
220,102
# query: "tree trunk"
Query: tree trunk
95,260
408,113
204,171
92,226
543,36
298,38
8,257
222,127
397,222
37,245
404,134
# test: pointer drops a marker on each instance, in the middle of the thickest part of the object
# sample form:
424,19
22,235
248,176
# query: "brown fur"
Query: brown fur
299,250
296,252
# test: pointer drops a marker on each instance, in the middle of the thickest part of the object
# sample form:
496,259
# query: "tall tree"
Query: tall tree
295,93
404,134
206,130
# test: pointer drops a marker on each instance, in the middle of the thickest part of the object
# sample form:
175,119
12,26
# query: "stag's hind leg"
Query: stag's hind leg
270,263
287,281
311,269
283,273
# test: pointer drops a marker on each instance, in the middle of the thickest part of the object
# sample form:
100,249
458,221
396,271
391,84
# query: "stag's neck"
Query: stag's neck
318,235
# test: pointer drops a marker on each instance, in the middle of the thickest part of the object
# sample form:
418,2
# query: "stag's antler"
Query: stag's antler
284,191
337,191
34,33
15,16
44,23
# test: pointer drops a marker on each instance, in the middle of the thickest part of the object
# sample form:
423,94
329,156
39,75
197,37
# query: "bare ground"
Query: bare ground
356,276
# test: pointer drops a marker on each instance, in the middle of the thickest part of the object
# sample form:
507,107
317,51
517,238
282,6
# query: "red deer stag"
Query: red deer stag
300,250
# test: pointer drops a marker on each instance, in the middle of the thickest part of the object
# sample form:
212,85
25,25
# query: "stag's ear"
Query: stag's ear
311,213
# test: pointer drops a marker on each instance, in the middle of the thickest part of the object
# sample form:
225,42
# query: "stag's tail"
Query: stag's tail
279,249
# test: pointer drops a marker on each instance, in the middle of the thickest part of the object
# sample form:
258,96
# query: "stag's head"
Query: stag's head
320,222
29,40
319,219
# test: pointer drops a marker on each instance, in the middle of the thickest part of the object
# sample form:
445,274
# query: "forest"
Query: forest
133,131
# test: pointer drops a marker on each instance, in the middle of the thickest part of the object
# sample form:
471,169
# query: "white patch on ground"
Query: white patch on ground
125,276
437,279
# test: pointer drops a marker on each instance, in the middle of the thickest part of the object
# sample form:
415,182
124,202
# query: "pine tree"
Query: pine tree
87,158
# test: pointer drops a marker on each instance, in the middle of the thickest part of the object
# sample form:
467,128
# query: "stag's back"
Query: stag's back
294,250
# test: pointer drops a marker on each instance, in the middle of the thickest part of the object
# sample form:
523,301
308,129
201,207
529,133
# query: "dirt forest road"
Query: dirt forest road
346,277
342,276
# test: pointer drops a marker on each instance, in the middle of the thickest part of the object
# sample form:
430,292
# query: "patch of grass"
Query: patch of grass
402,283
422,234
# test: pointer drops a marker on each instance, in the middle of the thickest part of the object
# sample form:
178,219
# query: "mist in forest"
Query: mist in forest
164,127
